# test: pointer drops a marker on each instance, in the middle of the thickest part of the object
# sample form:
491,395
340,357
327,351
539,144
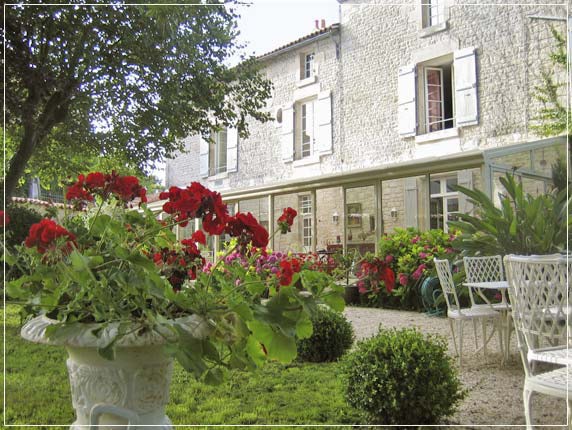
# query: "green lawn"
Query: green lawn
37,391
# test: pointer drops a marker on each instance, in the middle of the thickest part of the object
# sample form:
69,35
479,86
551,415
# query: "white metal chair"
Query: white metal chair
484,269
455,312
539,295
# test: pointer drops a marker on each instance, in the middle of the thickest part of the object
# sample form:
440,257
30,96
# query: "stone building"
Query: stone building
377,116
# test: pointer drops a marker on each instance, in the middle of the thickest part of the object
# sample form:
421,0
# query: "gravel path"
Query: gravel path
495,390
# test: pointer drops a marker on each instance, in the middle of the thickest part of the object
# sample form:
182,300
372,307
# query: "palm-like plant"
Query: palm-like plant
523,224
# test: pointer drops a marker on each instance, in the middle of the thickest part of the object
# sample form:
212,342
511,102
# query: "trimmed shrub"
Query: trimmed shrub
401,377
332,336
21,219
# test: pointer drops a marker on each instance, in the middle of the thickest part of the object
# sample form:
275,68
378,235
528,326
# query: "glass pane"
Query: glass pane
329,219
450,182
361,219
436,213
258,208
299,239
435,187
453,205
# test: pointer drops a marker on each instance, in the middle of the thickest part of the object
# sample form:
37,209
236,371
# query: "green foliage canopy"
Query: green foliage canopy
121,81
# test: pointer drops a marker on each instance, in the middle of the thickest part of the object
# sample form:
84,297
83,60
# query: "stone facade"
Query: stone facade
359,63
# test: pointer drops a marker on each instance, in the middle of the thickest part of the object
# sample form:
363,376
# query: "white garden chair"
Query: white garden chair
538,290
485,269
459,315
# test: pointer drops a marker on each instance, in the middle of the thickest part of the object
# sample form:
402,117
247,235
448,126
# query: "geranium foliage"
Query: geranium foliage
120,267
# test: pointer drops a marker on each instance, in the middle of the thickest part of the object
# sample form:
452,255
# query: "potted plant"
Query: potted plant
114,286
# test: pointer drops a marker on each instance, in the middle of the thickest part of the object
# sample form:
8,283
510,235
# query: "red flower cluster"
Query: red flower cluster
44,236
286,220
179,266
4,219
196,201
125,188
247,229
375,271
287,270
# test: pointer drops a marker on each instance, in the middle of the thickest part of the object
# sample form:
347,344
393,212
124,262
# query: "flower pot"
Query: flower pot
131,389
351,294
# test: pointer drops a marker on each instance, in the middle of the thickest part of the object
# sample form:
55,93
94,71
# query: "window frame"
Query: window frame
444,197
422,94
307,65
306,216
304,149
216,151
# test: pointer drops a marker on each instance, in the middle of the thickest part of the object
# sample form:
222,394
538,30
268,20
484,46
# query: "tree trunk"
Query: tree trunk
19,161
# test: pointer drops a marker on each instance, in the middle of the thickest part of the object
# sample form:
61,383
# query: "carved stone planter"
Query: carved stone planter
131,389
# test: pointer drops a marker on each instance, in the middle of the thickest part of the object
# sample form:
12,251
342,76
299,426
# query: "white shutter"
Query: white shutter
465,179
204,158
411,202
324,122
406,93
466,104
287,136
231,149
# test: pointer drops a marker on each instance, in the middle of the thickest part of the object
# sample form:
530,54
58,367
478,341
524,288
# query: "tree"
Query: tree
554,117
122,81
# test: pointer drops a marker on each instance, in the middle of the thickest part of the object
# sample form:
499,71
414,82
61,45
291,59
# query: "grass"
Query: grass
37,391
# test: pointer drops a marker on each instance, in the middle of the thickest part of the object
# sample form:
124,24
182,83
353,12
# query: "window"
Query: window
307,65
305,130
437,88
306,217
431,11
438,94
444,203
218,152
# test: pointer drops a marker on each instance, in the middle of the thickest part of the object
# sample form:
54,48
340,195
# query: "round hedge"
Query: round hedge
332,336
400,377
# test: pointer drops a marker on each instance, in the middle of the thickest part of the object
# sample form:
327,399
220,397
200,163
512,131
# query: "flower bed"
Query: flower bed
408,253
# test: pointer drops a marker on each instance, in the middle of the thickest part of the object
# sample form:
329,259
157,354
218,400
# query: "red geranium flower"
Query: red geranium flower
286,220
247,229
44,235
285,273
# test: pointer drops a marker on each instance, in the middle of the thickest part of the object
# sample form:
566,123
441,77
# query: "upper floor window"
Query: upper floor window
438,94
432,12
305,126
218,152
437,101
307,66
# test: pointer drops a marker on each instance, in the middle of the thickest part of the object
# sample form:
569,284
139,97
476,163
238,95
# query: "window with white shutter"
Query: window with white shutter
324,123
231,150
443,96
204,158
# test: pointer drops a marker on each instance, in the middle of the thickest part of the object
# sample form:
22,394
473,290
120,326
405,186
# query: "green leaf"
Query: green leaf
214,376
107,352
304,328
100,224
255,351
334,300
279,346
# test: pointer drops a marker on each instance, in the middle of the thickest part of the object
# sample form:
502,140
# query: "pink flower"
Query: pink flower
389,259
418,272
422,255
449,250
403,279
415,239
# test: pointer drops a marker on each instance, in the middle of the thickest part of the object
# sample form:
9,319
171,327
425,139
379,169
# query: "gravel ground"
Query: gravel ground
495,390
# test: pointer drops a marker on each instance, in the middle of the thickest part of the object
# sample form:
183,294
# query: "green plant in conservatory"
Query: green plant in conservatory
401,377
523,224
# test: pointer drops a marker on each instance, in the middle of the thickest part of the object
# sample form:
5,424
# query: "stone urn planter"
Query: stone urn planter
132,389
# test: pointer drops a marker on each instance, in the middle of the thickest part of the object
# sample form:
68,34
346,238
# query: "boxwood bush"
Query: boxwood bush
400,377
333,335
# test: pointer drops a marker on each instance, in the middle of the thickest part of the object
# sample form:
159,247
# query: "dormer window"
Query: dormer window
307,63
